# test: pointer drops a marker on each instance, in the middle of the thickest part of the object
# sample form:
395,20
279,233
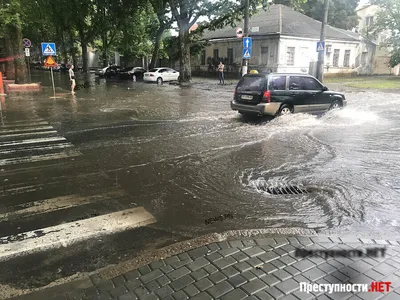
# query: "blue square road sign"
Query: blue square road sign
246,53
247,42
320,46
49,49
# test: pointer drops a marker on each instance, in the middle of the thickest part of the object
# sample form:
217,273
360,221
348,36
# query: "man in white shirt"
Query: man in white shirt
221,72
72,78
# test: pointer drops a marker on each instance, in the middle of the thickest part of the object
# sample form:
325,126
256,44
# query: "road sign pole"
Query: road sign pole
321,54
52,81
29,70
246,34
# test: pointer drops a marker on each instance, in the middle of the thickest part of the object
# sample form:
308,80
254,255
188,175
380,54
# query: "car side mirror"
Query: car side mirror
325,88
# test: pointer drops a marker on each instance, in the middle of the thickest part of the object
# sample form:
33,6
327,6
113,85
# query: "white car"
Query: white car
101,72
160,75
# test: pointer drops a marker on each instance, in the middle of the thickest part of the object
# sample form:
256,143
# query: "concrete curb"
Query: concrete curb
30,87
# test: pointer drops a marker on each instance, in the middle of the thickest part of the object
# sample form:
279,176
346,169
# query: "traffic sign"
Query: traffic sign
50,62
246,53
27,52
48,49
26,42
320,46
239,32
255,29
247,42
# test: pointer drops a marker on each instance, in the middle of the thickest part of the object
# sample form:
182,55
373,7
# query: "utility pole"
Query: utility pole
245,61
321,54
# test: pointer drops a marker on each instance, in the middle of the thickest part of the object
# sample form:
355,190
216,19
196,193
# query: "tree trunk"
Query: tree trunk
156,50
85,66
64,50
105,50
184,57
73,50
21,71
10,67
84,52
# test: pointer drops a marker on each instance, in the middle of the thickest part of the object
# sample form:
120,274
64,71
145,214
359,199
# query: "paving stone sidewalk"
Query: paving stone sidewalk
266,268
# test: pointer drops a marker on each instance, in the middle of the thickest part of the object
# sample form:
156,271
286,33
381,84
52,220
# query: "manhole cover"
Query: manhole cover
284,190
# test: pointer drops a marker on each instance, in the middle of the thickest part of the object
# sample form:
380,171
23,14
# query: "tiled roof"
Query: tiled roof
280,19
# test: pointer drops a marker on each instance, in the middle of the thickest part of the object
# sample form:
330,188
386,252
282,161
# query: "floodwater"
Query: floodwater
188,148
185,156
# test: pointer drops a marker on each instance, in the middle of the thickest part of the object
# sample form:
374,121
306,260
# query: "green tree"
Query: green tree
11,30
388,20
134,40
296,4
187,12
161,9
341,13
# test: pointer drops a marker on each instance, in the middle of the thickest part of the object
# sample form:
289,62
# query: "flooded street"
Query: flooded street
184,156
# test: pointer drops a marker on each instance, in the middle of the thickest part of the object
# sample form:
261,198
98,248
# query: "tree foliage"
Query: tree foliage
387,20
341,13
220,13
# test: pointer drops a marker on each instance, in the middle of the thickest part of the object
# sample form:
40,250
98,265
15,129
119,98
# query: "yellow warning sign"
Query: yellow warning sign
50,62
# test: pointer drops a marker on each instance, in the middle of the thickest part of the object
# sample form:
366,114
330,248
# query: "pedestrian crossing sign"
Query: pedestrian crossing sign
49,49
320,46
246,53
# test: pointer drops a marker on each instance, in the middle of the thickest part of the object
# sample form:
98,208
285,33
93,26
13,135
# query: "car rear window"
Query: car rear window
153,70
251,83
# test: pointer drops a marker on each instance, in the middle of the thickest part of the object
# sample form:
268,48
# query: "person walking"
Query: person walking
72,79
221,73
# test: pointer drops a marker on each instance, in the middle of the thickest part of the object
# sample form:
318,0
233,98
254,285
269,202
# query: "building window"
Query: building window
364,58
369,20
336,53
230,56
290,56
203,57
346,59
216,54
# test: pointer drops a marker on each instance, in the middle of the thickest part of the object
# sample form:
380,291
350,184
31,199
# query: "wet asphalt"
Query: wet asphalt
186,157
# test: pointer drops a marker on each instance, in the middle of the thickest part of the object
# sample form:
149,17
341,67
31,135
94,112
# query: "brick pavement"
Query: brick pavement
265,268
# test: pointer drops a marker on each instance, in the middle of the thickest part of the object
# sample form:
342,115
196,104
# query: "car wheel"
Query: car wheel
335,105
159,80
179,78
285,110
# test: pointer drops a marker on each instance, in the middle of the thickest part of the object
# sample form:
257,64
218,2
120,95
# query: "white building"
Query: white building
285,40
367,15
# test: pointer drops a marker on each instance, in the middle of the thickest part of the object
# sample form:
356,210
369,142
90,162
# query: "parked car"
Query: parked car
112,72
100,72
160,75
280,94
128,73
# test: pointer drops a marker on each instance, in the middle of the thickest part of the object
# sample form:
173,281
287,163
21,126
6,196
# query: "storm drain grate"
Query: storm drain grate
284,190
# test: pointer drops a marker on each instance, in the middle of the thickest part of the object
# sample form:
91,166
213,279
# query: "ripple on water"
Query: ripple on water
347,158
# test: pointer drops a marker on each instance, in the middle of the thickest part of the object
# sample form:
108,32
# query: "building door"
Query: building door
216,54
264,56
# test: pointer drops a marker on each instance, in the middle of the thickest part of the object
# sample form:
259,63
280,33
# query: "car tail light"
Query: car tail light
234,94
151,75
267,96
